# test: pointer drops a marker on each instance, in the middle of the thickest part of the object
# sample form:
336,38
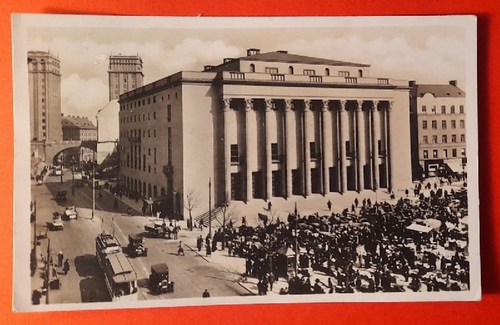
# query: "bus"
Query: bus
119,275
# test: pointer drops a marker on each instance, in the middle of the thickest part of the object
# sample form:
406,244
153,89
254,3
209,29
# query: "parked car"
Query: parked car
71,213
57,223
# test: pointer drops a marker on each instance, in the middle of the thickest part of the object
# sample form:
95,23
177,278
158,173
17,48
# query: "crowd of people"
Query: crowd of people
417,244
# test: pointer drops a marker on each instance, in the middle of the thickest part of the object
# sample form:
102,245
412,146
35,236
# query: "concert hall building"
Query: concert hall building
266,125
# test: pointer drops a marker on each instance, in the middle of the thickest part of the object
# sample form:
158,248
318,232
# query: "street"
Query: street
192,274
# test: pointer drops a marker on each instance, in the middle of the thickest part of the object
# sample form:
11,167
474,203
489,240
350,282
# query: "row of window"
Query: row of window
444,138
443,109
307,72
143,102
138,134
444,152
137,118
444,124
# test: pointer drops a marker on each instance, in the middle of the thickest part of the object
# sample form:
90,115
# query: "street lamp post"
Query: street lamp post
73,176
209,207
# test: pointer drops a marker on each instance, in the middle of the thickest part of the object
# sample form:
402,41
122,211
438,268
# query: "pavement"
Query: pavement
281,207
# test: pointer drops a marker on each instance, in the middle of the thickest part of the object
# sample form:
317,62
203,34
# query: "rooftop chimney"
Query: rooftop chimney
253,51
226,60
453,83
411,83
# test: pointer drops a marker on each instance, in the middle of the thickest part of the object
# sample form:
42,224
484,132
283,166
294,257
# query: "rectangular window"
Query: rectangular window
425,140
424,109
443,109
154,155
462,137
462,109
154,133
462,152
443,125
453,138
426,154
348,148
144,162
445,153
462,124
433,109
169,146
434,124
454,153
453,124
452,109
424,125
169,113
309,72
274,152
234,154
312,147
434,153
444,139
154,115
434,139
271,70
344,73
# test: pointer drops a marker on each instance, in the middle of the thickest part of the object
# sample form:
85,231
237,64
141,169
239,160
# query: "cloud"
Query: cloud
441,58
82,97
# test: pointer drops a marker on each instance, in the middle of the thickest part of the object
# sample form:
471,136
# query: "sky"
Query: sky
426,52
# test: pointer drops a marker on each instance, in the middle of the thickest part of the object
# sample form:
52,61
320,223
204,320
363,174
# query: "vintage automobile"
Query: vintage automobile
136,246
159,279
56,223
71,213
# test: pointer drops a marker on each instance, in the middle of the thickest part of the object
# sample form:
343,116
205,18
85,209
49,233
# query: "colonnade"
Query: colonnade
313,145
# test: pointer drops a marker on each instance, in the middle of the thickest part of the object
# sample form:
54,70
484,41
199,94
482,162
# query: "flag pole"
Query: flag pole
209,207
296,243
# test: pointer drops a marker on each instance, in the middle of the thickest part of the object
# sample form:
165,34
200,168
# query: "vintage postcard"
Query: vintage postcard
166,161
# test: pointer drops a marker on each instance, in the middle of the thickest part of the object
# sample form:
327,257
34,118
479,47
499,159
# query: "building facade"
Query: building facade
76,128
44,78
438,129
124,74
263,126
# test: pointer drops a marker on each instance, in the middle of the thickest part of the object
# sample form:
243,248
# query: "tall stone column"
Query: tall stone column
344,129
248,154
361,156
308,120
226,105
269,175
288,148
390,143
375,137
326,134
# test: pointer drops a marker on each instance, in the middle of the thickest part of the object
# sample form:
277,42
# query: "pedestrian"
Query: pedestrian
269,206
66,267
271,278
181,249
209,252
329,205
206,294
356,202
60,259
199,243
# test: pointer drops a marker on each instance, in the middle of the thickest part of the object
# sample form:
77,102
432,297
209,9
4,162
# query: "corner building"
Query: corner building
263,126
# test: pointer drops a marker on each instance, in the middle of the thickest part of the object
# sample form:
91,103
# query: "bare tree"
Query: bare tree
191,201
229,213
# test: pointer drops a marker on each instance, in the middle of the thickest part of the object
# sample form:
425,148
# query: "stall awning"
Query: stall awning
455,166
419,228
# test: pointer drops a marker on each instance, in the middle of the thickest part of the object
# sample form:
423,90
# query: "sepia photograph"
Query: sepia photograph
180,161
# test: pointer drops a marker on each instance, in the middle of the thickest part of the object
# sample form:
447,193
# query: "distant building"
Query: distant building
263,126
76,128
108,129
125,74
44,84
438,129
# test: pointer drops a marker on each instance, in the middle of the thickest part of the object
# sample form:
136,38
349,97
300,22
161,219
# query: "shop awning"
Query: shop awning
455,166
